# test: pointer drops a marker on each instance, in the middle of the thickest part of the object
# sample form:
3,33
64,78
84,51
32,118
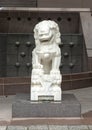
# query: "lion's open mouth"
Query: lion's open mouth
45,38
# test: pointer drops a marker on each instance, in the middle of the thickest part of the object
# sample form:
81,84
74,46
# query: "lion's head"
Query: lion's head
45,31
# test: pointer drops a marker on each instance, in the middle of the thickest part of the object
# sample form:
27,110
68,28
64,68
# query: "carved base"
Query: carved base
43,93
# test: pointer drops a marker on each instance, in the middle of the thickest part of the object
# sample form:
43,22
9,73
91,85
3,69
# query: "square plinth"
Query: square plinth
68,107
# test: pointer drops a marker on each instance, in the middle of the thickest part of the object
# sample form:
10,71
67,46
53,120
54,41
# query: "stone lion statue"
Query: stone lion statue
46,57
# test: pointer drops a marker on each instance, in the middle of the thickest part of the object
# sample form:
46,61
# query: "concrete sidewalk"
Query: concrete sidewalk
47,127
84,96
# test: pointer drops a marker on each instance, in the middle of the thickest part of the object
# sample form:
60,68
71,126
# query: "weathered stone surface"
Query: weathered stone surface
38,127
69,107
58,127
78,127
48,127
90,127
2,127
16,128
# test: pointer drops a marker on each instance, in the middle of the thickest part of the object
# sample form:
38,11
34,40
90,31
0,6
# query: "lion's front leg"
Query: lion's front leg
55,65
37,70
36,61
55,72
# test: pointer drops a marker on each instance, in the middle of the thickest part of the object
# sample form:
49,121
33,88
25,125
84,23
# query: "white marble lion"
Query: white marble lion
46,57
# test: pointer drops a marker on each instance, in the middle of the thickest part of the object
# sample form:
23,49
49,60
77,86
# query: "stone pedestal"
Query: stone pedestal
69,107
